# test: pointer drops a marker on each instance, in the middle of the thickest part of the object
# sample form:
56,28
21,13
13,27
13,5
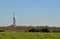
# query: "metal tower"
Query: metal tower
14,20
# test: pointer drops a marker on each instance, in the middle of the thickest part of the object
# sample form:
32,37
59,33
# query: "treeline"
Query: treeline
30,29
37,30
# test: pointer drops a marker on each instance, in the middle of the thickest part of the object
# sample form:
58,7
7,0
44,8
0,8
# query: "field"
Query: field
28,35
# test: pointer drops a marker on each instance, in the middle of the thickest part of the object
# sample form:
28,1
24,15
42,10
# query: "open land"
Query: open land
29,35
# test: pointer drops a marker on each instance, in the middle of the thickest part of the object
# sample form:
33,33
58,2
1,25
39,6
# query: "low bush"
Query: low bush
37,30
32,30
1,30
45,30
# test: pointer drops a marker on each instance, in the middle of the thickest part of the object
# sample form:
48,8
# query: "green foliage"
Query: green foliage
28,35
1,30
45,30
56,31
37,30
32,30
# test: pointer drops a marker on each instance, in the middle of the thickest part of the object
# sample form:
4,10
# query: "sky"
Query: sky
30,12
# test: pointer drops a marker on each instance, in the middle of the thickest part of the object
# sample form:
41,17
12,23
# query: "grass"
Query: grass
28,35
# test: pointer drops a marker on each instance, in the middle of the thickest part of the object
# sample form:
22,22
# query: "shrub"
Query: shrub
45,30
37,30
1,30
32,30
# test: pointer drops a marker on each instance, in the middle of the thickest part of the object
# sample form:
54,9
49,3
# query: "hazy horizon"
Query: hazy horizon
30,12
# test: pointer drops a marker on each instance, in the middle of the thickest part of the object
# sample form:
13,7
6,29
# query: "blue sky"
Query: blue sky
30,12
